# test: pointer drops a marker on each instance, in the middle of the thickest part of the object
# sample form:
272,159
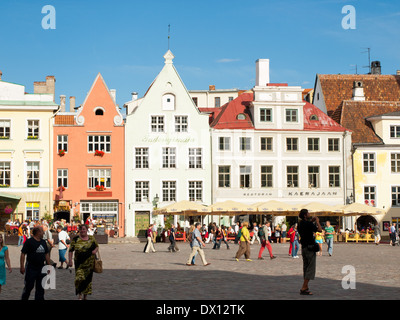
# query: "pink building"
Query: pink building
89,159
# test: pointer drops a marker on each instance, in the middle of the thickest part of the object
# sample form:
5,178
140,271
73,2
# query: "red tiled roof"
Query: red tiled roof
227,117
64,119
337,88
323,122
354,114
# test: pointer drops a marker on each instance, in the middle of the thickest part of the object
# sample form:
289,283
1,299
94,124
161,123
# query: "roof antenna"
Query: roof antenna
169,27
369,59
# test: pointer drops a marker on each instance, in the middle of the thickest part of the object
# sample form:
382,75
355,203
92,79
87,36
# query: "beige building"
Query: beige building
26,137
213,98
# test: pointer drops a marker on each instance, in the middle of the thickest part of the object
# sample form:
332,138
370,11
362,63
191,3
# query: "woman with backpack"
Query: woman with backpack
263,235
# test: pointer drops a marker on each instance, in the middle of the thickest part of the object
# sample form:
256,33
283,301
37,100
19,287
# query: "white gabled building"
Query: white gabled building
168,152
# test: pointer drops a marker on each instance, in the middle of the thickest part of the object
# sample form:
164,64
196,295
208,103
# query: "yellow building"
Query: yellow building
369,105
26,137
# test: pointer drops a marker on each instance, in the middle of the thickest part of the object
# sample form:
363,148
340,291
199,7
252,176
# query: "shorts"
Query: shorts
319,241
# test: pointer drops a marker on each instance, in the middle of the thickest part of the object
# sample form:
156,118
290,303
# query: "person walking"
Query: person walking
84,249
255,234
263,235
190,239
216,234
172,239
48,238
393,234
295,243
244,246
21,234
4,259
284,232
36,253
319,239
197,243
223,236
150,239
306,228
329,232
62,246
291,234
377,233
238,228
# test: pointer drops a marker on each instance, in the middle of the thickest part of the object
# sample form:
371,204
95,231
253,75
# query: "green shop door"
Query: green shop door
142,221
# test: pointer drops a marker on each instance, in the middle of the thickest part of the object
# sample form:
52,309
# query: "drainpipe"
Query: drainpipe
50,158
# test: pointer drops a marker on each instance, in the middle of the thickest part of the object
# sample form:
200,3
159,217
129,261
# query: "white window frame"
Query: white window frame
396,131
267,175
196,158
158,126
180,125
314,177
224,175
292,175
245,144
99,174
28,128
297,144
291,112
334,145
264,117
3,172
314,143
369,163
143,157
35,211
370,195
225,143
396,162
3,125
27,171
267,144
102,145
171,190
397,192
245,176
335,175
62,174
169,157
62,142
142,190
196,189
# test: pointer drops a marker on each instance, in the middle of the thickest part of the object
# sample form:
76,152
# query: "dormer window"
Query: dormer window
241,116
314,117
168,102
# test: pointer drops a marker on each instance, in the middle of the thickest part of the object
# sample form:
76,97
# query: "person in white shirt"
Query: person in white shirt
62,246
90,231
255,234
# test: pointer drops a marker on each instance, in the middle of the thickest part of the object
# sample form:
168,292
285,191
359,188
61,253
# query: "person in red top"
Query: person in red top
291,234
149,244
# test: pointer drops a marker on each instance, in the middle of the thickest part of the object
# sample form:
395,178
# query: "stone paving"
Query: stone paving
129,274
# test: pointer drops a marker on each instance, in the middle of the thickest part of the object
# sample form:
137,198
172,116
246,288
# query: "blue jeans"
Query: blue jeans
61,253
20,240
295,248
329,242
194,257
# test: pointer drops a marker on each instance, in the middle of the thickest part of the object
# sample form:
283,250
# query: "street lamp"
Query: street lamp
155,201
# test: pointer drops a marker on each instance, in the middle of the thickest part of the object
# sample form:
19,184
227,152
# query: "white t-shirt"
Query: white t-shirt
62,236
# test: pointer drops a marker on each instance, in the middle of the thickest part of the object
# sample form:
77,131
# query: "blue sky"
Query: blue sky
214,42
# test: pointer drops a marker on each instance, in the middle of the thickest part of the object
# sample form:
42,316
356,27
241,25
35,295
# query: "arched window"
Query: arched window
314,117
99,111
241,116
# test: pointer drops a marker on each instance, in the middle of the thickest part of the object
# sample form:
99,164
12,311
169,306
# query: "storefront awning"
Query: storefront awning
9,196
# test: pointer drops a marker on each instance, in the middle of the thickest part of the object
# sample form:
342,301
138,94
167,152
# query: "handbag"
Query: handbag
98,264
313,247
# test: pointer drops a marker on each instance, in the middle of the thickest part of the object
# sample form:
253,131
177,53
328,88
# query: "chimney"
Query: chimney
1,73
262,72
358,91
397,73
113,93
375,67
211,87
47,87
71,104
134,96
62,103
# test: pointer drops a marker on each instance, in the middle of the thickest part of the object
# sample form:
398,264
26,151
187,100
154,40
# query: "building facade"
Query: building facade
168,154
26,144
269,144
89,160
369,105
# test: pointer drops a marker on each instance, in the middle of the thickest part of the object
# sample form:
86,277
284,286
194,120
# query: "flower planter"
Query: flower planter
4,137
100,188
4,185
32,137
61,153
33,185
99,153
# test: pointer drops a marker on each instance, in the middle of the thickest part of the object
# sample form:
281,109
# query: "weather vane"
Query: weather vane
169,27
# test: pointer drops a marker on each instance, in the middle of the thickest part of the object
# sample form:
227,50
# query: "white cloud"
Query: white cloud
227,60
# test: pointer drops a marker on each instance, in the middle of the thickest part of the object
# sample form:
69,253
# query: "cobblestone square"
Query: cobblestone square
130,274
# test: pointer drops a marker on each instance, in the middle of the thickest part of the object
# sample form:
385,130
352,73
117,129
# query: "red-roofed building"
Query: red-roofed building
270,144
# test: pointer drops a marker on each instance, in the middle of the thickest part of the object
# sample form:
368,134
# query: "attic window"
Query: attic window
314,117
241,116
99,112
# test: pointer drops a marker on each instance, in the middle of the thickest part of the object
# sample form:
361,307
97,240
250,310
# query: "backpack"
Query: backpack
239,233
261,232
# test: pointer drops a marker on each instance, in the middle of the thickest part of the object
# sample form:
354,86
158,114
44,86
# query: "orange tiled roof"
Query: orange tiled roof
64,119
354,114
336,88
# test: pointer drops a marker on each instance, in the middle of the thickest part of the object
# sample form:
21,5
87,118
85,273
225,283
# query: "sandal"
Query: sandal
305,292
